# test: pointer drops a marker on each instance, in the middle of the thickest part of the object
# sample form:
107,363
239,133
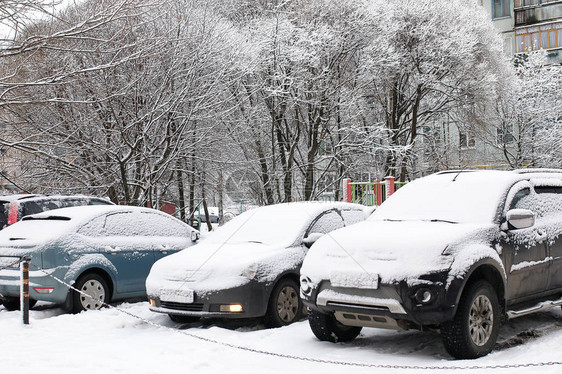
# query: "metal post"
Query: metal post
24,294
389,182
347,190
378,193
199,216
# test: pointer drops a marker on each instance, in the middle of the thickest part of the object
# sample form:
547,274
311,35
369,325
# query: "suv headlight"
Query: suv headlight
306,285
424,296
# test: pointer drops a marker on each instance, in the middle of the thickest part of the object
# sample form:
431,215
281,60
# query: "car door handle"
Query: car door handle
163,249
112,250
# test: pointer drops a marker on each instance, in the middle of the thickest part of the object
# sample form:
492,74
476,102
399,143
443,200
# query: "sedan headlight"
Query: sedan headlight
250,272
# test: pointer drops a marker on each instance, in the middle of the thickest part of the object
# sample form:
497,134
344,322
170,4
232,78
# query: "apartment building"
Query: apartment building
528,25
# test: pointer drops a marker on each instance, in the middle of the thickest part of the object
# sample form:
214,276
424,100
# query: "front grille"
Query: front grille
359,306
182,306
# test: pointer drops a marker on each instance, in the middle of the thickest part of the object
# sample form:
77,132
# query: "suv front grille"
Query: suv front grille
374,308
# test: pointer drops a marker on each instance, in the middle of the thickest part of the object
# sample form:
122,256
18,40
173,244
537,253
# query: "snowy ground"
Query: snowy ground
110,341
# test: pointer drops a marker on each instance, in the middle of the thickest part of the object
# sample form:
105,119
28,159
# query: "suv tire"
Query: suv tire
474,330
327,328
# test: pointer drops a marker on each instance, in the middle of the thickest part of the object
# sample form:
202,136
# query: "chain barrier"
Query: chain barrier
308,359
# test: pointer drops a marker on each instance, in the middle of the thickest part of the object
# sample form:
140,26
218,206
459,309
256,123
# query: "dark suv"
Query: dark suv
14,207
457,252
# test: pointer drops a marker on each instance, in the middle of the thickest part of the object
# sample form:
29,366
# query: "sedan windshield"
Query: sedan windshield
273,225
466,199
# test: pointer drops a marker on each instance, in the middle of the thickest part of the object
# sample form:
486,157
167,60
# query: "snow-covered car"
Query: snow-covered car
454,251
249,267
14,207
104,251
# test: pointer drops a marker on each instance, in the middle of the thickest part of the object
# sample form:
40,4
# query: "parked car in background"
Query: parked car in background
456,251
249,267
104,251
14,207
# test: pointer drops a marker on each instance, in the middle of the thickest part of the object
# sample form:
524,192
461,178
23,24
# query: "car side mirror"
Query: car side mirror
520,218
195,236
311,238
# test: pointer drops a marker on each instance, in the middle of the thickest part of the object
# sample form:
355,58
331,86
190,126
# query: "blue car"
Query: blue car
104,251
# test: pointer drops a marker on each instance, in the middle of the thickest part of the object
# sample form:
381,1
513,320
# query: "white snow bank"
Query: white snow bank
56,343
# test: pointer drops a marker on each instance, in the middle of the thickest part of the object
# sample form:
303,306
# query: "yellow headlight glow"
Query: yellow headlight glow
231,308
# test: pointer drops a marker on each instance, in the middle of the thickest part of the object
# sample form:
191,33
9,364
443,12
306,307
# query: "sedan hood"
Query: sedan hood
392,250
211,266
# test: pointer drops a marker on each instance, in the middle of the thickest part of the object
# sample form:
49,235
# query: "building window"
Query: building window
500,8
431,134
547,36
466,140
504,135
523,3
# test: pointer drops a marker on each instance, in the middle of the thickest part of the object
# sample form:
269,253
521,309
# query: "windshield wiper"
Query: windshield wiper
46,218
442,220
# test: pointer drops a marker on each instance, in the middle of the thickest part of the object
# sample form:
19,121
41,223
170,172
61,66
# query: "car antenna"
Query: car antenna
460,171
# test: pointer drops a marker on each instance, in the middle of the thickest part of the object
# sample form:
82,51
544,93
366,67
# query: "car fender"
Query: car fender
87,262
291,273
481,268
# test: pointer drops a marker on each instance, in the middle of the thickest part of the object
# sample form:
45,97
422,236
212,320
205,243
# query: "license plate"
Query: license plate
354,280
177,296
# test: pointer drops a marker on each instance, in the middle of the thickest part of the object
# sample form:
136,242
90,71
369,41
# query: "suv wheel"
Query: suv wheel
474,330
327,328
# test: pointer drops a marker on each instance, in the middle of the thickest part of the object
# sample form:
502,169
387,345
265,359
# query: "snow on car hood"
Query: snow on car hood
210,266
393,250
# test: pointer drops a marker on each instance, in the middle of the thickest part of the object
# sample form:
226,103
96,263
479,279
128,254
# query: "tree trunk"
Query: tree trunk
181,192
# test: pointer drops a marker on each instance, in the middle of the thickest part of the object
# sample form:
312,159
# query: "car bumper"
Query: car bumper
389,306
42,286
252,297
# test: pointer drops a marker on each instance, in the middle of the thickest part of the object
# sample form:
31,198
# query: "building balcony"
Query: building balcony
529,12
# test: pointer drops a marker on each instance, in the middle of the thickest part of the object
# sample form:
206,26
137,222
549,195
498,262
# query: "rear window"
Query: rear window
41,230
43,205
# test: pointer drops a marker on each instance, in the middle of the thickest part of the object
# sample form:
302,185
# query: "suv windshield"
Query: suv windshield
467,199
